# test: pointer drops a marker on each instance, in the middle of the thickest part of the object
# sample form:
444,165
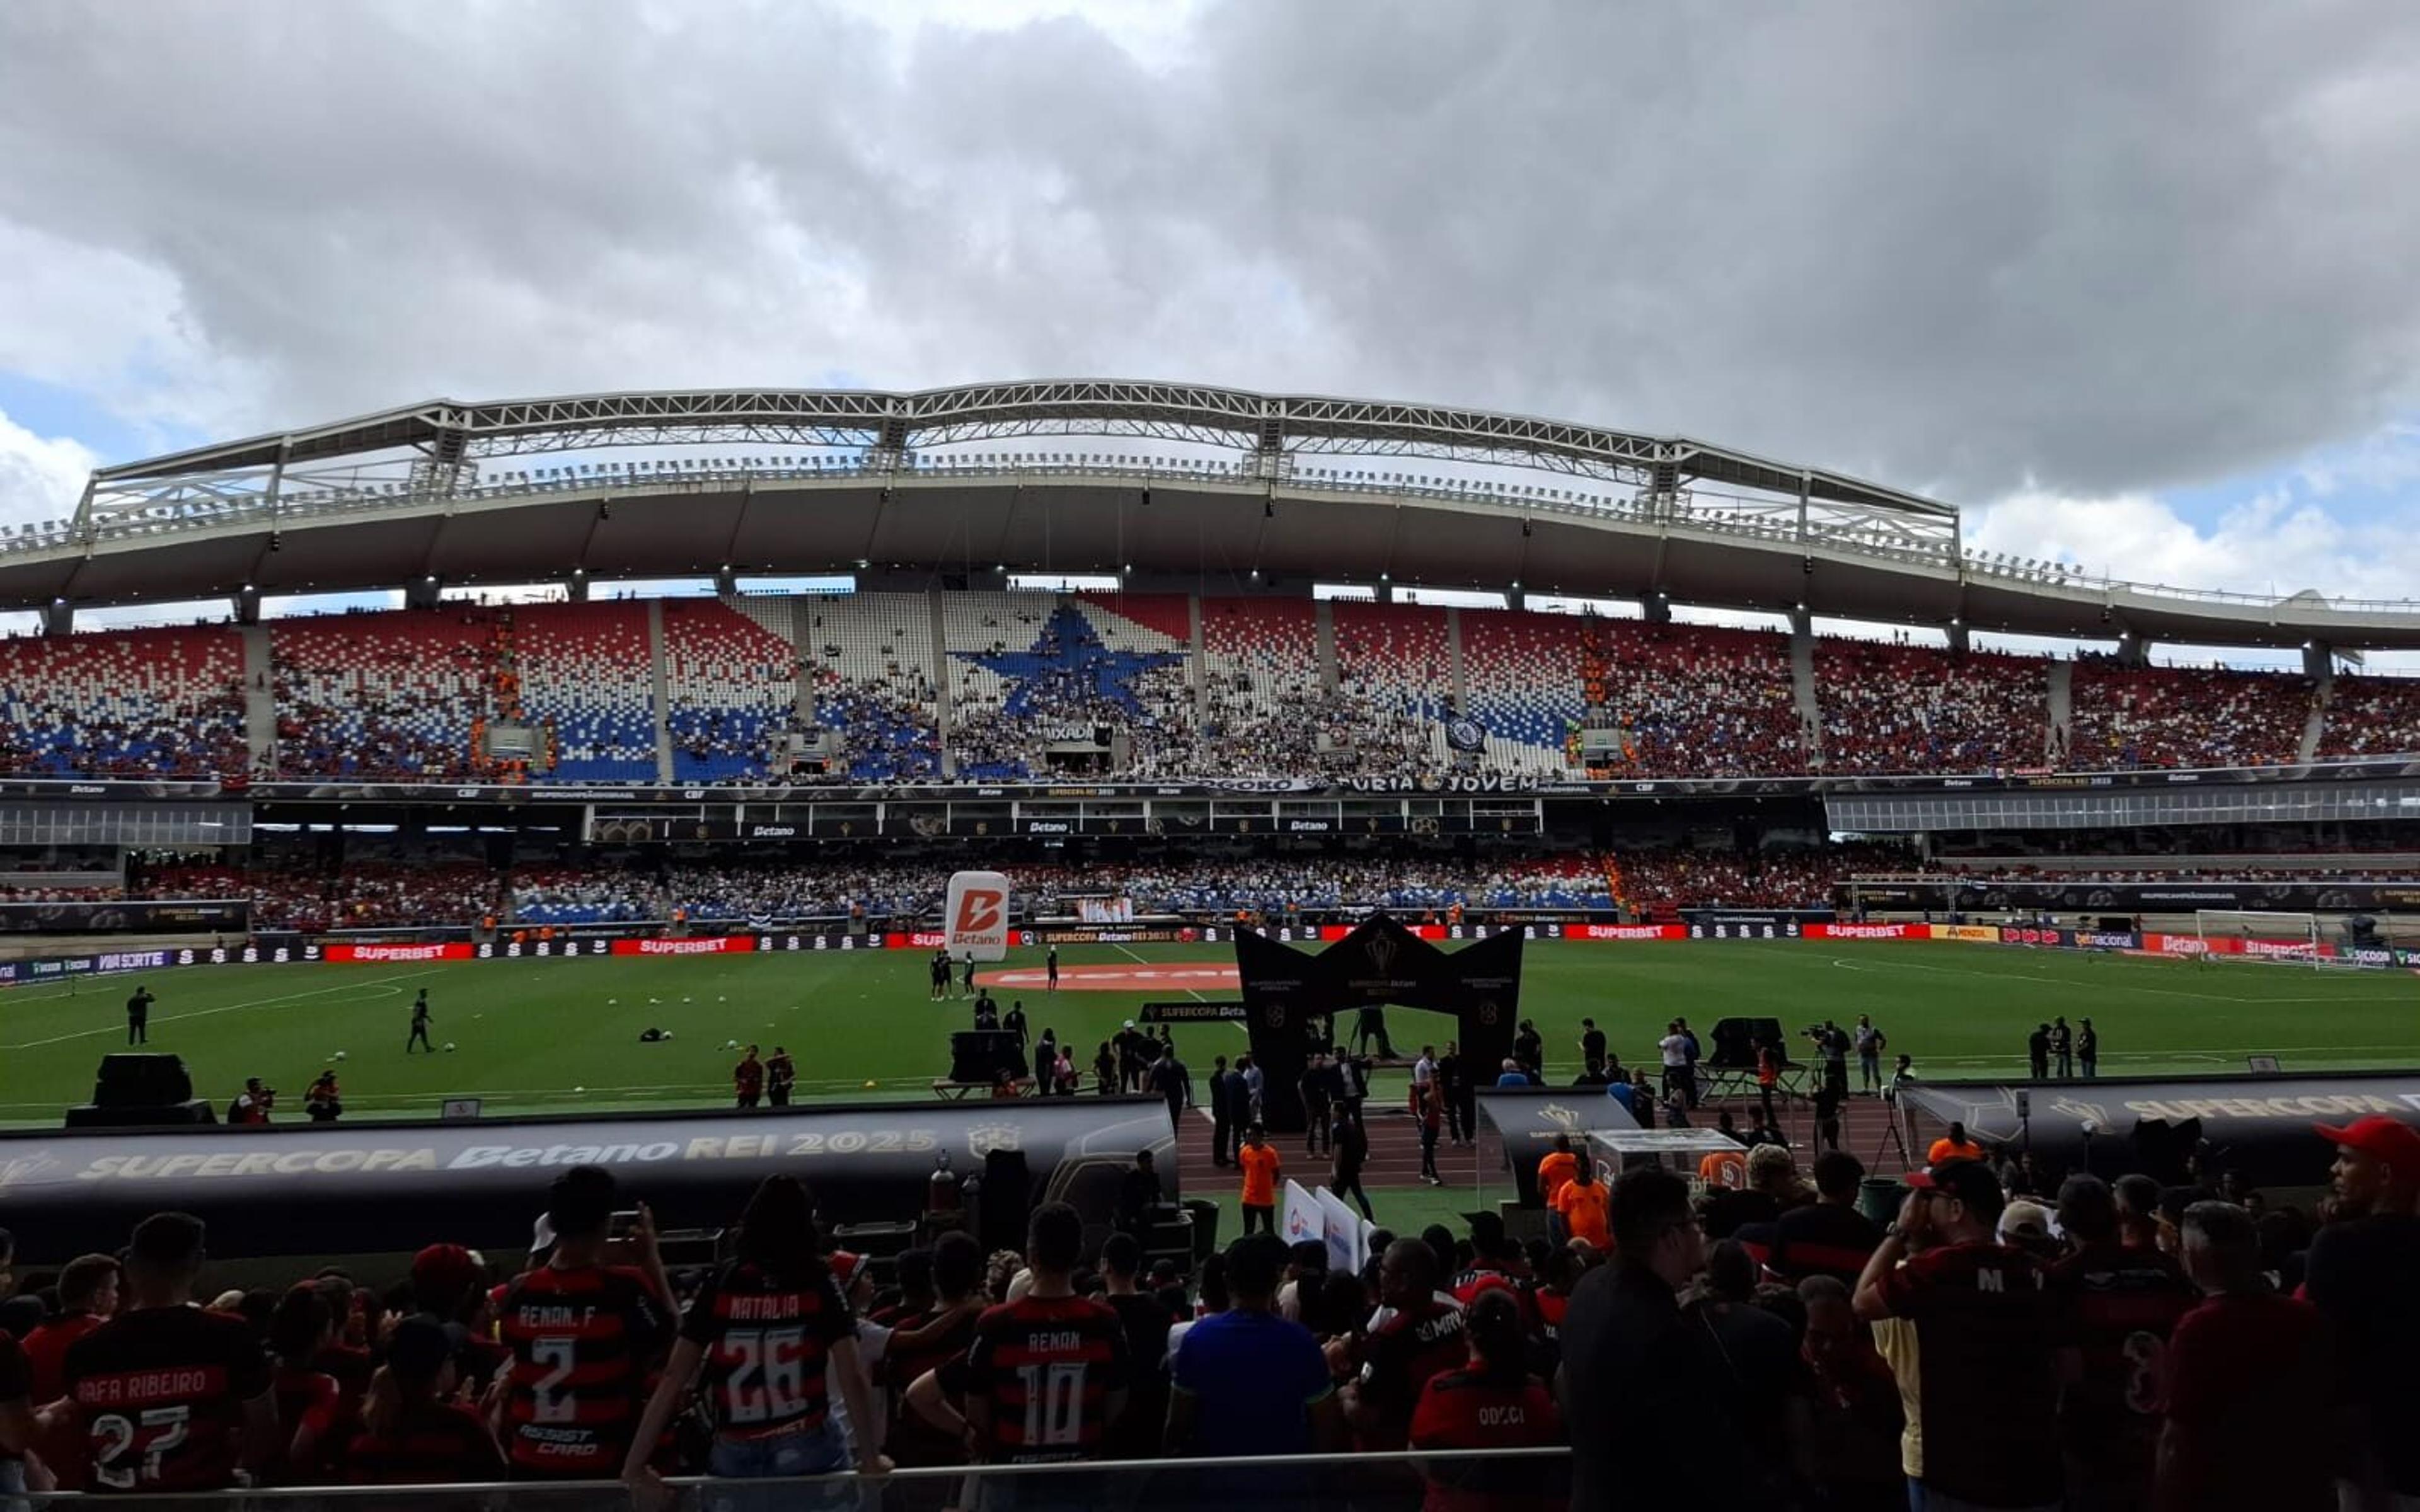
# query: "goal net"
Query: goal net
2267,938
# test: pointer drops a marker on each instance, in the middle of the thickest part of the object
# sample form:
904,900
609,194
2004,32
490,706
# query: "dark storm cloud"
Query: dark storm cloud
2093,247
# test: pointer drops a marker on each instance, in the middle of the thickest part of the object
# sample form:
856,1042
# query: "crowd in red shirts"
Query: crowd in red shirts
1759,1343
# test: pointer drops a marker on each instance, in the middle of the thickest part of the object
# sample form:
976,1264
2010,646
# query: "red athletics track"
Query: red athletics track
1142,976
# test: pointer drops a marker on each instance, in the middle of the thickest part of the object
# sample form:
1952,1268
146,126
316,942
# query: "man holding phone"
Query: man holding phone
585,1329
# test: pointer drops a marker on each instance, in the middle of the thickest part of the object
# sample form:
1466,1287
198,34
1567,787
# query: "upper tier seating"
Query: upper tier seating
870,658
1026,666
1522,682
733,687
165,702
1394,684
1902,708
2372,716
587,675
1702,700
390,695
1260,685
2184,717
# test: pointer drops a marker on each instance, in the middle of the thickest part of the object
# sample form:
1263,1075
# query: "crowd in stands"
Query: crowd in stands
1657,881
1262,689
1891,707
2014,1339
2126,717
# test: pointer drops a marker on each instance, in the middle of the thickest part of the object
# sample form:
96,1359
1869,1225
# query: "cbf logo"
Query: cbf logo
22,1170
985,1137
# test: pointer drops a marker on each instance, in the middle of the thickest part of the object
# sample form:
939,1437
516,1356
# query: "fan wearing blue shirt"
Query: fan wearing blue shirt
1246,1381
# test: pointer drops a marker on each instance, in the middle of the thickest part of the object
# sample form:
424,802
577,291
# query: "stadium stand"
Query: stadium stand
1904,708
2371,716
162,702
870,662
1260,685
1029,668
586,680
2179,716
1521,676
392,695
1394,684
1700,701
733,688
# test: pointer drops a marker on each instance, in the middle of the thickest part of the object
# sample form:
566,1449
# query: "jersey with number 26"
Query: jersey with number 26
765,1338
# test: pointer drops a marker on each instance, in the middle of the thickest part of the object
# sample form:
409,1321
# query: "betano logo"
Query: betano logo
976,910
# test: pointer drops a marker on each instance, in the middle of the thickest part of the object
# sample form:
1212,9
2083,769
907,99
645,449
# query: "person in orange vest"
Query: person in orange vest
1583,1203
1259,1160
1955,1145
1768,1074
1556,1169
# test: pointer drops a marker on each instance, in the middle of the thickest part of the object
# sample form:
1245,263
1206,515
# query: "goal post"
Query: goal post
2234,934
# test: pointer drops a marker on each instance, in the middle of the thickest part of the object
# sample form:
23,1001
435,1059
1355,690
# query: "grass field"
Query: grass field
562,1036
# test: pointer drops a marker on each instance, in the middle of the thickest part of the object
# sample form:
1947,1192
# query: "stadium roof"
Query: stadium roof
975,478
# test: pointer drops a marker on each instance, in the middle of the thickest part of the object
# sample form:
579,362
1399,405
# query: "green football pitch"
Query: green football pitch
563,1036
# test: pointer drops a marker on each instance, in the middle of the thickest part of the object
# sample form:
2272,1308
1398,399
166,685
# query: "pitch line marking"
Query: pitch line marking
233,1008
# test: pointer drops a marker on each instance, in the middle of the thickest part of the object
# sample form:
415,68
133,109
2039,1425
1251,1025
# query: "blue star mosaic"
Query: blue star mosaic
1068,662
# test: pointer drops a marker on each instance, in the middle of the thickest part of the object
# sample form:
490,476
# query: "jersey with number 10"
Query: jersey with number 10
583,1341
1048,1366
159,1393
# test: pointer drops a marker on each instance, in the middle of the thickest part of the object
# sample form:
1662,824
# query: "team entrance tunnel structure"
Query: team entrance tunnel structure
386,1189
1293,1000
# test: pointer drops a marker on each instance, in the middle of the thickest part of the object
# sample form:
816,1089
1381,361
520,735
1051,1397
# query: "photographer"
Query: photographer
253,1104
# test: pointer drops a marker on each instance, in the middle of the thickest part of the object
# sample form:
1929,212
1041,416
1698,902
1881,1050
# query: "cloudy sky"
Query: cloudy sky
2138,284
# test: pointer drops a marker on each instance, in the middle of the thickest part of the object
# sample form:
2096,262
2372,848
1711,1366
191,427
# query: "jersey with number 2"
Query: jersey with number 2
582,1340
1048,1366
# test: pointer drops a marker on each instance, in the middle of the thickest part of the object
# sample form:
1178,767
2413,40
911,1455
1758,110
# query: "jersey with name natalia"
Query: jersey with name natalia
766,1339
582,1339
159,1393
1048,1366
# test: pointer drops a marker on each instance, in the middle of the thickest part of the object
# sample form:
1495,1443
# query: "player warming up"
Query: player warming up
420,1024
748,1078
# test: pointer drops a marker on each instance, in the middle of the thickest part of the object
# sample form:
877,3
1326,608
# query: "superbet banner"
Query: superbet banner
977,913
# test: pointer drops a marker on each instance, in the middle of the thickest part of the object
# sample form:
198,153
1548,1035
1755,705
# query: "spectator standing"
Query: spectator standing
765,1328
1674,1050
2038,1053
414,1433
1428,1111
138,1016
1828,1236
1461,1095
2062,1048
2120,1306
1175,1084
1047,1372
18,1426
1255,1087
1869,1042
1313,1088
1491,1403
781,1074
2360,1275
1857,1418
170,1397
1557,1166
1971,1335
2248,1385
1832,1043
1245,1380
2087,1048
1421,1337
1638,1374
1146,1319
748,1078
1581,1204
88,1289
1261,1170
585,1333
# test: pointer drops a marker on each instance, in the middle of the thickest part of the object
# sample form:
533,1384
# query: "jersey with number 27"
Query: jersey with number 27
159,1393
1048,1366
582,1339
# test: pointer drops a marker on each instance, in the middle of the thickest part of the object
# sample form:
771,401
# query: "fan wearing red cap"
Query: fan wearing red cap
2364,1273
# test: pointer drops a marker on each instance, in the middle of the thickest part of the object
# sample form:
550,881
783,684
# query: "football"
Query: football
449,1046
339,1056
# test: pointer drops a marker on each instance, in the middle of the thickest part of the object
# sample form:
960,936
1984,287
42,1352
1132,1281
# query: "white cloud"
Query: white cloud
41,477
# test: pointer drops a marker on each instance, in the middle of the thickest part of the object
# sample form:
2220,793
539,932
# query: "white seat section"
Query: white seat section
1261,681
870,659
1907,708
1394,671
129,703
1521,672
394,694
731,686
587,680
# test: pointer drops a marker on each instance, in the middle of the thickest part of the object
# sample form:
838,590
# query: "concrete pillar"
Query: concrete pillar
1655,610
575,587
2319,660
1516,598
423,594
247,604
1802,624
2134,651
1959,641
58,618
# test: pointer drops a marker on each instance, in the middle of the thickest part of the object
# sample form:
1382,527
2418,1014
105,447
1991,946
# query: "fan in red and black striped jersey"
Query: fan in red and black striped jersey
1422,1338
927,1338
583,1336
169,1397
1046,1375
